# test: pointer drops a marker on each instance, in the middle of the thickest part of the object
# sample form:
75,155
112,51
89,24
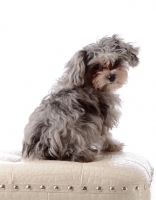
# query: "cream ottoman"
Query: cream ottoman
117,176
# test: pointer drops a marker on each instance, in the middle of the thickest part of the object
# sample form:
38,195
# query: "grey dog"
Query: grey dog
73,122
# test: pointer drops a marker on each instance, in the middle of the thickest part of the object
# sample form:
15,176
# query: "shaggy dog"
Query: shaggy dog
74,121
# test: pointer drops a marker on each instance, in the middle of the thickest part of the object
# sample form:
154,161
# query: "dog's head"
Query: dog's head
102,65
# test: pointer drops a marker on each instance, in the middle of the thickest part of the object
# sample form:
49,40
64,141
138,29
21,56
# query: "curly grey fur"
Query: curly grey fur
74,121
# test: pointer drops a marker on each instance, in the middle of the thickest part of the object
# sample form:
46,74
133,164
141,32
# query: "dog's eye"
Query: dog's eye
116,64
97,67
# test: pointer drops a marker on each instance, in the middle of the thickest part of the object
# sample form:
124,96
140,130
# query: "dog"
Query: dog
73,122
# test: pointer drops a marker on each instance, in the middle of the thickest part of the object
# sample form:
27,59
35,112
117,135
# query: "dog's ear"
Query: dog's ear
76,68
127,50
132,54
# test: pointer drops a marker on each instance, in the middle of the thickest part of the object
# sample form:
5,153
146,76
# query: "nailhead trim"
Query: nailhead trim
70,188
99,189
15,187
112,188
84,188
124,188
56,187
28,187
63,188
2,187
137,188
42,187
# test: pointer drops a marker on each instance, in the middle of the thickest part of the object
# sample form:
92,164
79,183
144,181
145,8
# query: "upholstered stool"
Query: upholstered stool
116,176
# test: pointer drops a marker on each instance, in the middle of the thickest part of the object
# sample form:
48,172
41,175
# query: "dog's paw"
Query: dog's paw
114,146
84,156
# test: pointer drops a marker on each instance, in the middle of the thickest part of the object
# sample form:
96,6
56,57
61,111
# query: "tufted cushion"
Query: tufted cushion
115,176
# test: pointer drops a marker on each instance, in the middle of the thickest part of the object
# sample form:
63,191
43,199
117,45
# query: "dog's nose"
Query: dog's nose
111,77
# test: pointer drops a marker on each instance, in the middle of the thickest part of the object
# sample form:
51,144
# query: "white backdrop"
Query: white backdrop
37,38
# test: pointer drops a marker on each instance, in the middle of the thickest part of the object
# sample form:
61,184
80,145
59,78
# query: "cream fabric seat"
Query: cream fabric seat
115,176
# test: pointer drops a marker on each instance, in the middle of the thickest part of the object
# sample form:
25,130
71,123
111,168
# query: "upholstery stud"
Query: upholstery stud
42,187
70,188
124,188
15,187
145,187
2,187
84,188
28,187
98,188
56,187
137,188
112,188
